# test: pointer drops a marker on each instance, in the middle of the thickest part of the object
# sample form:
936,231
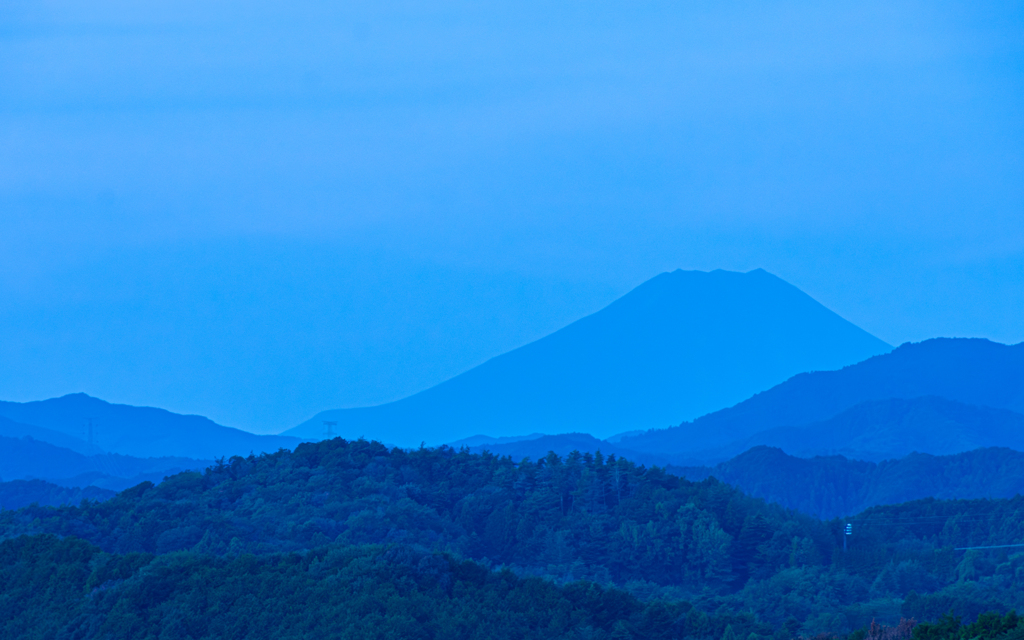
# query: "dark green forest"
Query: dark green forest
70,589
358,535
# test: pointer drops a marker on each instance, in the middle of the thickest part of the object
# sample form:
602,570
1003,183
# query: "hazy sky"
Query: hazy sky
255,210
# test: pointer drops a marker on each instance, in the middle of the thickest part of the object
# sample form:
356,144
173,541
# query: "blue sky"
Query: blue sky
256,210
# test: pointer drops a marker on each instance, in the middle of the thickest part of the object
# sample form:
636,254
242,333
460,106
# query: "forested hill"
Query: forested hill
677,346
582,517
834,486
969,371
585,516
68,588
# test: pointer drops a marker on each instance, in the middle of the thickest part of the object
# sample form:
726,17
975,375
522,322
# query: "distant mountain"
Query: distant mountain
970,371
829,487
22,493
26,458
885,429
676,347
138,431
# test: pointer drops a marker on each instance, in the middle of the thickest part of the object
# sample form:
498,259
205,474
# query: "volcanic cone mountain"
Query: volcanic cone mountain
678,346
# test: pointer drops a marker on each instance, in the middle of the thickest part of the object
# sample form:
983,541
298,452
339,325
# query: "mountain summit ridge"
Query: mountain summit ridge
678,346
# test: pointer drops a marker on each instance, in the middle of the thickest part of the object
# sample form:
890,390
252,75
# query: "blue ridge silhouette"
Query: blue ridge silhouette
136,431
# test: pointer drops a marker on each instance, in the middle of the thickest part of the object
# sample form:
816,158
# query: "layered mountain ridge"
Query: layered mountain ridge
940,397
966,371
142,432
834,486
30,459
877,430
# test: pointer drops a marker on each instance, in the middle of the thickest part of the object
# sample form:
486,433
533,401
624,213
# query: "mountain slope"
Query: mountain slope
12,429
679,345
834,486
887,429
971,371
26,458
140,431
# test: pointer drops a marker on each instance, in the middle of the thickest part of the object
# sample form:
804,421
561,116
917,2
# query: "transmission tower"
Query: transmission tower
91,431
329,428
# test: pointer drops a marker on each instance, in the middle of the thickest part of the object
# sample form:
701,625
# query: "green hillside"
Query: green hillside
71,589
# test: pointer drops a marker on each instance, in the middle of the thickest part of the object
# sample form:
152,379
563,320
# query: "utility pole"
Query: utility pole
329,428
